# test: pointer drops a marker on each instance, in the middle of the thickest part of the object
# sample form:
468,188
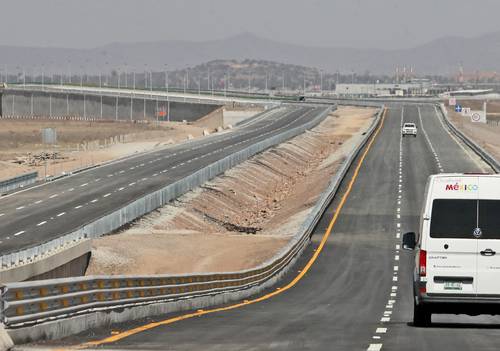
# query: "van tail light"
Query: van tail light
422,263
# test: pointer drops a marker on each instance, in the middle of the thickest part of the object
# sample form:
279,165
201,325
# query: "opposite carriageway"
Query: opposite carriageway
37,215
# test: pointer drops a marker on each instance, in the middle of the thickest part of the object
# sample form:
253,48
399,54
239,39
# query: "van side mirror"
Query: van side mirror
409,241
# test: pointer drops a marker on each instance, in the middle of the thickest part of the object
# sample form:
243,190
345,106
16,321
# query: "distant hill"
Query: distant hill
441,56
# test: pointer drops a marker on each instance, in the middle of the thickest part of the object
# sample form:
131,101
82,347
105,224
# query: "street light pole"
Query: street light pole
321,82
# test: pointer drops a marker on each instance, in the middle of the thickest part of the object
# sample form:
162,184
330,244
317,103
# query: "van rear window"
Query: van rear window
453,218
489,218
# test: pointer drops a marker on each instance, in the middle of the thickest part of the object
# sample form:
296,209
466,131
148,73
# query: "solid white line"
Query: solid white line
41,223
19,233
467,152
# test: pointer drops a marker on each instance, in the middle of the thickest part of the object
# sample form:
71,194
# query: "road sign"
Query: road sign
458,108
478,117
466,111
452,101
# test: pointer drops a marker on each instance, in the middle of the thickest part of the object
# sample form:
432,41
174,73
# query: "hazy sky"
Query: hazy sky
352,23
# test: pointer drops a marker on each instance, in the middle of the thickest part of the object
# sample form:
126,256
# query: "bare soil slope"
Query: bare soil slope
240,219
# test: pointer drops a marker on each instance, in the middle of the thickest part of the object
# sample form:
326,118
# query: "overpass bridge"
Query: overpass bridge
95,103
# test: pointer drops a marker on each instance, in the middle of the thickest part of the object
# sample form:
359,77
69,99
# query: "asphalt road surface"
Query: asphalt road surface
357,295
38,214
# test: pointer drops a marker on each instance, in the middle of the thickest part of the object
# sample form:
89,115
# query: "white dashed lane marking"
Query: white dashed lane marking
61,214
41,223
19,233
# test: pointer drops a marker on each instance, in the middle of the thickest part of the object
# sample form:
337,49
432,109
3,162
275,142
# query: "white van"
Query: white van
457,252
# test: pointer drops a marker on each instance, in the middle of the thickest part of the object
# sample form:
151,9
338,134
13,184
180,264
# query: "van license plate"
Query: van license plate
452,285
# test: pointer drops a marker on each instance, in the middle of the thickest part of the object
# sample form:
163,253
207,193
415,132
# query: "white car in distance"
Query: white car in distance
409,129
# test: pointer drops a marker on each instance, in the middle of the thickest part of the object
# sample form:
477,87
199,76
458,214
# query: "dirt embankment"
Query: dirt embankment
242,218
486,135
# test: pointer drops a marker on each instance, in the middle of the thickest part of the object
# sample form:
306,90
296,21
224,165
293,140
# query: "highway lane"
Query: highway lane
41,213
357,295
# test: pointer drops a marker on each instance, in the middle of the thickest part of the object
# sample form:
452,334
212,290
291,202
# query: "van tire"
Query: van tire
421,315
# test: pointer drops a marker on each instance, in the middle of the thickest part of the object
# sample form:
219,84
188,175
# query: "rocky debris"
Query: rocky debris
38,159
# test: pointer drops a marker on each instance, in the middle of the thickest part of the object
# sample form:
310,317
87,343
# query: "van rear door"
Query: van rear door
451,247
488,264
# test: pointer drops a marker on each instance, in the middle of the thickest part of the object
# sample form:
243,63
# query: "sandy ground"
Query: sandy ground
240,219
80,144
486,135
233,116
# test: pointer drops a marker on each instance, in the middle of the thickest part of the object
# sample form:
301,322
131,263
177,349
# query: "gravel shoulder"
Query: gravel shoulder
486,135
242,218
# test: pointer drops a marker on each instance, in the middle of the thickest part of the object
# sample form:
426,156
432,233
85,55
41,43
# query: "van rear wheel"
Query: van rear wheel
421,315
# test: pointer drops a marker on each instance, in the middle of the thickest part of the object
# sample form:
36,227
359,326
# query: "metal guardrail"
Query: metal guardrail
18,182
130,211
485,155
35,302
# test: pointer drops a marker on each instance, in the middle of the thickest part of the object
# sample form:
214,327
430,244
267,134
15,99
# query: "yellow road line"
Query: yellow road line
125,334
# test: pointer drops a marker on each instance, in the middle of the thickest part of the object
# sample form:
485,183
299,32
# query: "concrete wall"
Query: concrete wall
44,104
65,262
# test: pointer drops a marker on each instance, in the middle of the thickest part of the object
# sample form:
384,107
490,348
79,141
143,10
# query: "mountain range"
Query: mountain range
442,56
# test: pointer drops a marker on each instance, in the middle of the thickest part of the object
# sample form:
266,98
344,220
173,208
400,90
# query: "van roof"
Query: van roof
464,175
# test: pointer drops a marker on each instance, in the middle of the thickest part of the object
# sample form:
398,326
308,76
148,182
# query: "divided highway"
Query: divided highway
357,295
38,214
